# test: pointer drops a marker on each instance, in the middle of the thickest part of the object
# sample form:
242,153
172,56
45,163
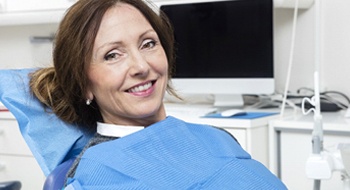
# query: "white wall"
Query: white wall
303,59
17,52
336,55
335,47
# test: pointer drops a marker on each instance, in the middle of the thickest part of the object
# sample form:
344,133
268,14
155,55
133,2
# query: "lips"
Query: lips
141,88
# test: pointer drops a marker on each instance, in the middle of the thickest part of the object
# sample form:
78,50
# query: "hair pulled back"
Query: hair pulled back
62,87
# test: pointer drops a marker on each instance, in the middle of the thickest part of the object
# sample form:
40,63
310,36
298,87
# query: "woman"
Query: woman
112,65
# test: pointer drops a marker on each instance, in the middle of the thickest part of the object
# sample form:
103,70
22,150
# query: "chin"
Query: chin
152,112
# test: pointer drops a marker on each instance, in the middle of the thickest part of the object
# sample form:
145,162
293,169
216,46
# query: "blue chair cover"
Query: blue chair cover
51,140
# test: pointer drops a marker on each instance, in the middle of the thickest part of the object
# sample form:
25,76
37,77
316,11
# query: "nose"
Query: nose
138,64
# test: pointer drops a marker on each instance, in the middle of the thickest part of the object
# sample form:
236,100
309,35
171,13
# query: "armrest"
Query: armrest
10,185
57,177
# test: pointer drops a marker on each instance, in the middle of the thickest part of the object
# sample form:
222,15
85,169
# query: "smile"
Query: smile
141,88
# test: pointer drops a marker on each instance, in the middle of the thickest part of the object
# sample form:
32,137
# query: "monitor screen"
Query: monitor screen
223,47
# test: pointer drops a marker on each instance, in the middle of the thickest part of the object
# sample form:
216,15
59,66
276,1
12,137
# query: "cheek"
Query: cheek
160,63
163,67
103,79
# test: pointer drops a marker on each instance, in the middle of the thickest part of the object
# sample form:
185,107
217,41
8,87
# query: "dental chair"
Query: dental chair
55,180
10,185
42,130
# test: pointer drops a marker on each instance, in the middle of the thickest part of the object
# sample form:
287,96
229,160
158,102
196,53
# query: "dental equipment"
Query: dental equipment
321,164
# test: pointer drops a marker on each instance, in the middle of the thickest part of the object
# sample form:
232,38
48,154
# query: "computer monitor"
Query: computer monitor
224,48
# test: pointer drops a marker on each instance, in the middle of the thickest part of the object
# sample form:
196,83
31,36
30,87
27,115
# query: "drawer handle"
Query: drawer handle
1,131
41,39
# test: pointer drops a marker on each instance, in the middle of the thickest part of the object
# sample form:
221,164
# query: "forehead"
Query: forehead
122,13
121,20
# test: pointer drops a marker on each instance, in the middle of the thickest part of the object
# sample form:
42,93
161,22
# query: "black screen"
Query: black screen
227,39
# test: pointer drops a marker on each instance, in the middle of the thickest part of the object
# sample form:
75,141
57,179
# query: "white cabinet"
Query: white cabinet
22,12
290,147
16,160
252,139
36,5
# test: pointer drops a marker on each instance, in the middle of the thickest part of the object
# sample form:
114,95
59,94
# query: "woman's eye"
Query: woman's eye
111,56
148,44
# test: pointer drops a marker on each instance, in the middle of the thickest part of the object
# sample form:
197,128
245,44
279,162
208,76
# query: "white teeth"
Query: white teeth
141,88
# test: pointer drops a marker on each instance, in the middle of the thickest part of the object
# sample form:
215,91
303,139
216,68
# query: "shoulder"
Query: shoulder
217,140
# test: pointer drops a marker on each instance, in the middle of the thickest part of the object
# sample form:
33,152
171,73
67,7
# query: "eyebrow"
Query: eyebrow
120,42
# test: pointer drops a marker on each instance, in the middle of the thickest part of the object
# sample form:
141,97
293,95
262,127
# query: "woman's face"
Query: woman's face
128,72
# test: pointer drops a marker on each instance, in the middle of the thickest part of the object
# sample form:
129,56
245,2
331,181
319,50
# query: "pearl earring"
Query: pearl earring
88,102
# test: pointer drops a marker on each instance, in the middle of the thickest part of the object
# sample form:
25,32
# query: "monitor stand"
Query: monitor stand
228,100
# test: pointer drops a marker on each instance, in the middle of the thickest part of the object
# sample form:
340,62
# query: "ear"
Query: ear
89,95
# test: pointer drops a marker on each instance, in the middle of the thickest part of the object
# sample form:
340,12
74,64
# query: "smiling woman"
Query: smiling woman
128,74
125,52
64,87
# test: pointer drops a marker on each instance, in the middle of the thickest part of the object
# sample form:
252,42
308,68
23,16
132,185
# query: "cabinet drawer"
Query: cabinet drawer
24,169
254,141
36,5
11,140
240,135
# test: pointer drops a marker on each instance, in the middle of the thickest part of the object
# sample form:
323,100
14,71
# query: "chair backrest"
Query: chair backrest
56,179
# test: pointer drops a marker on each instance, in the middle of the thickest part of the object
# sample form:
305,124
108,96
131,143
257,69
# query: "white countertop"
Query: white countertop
222,122
332,121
